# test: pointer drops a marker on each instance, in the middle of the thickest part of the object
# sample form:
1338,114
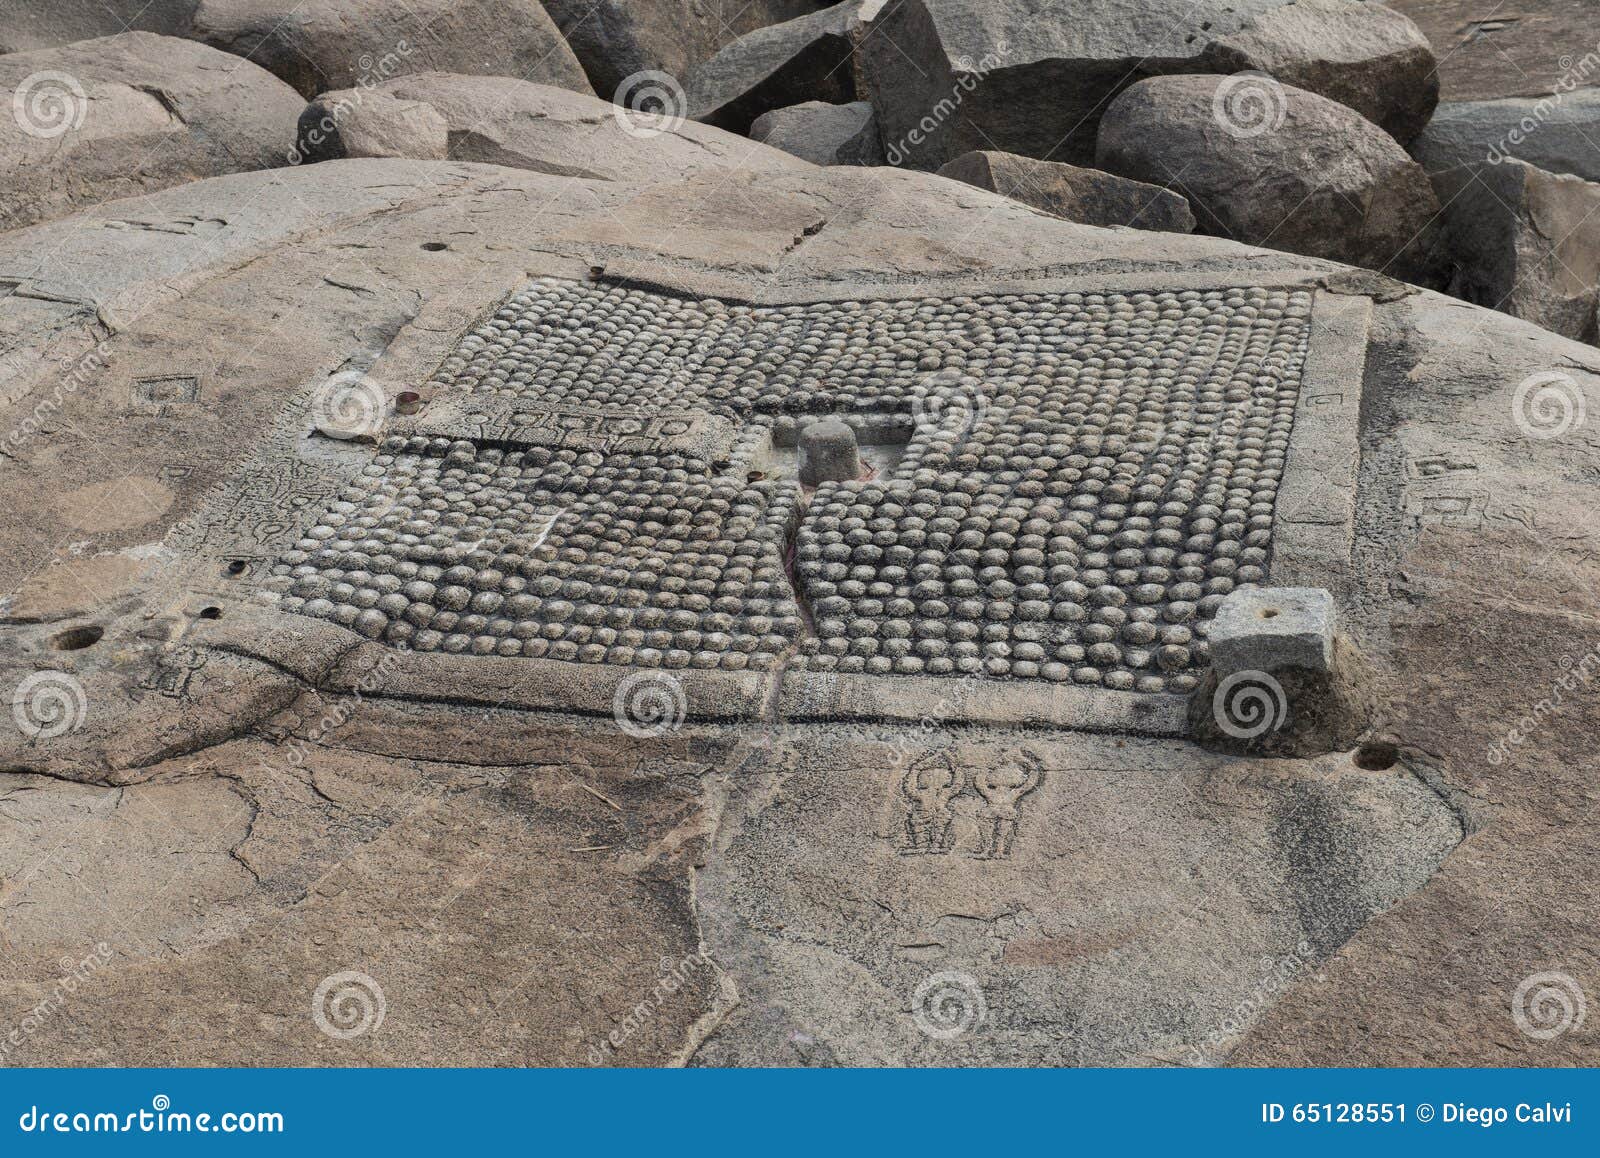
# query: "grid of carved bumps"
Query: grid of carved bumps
1090,474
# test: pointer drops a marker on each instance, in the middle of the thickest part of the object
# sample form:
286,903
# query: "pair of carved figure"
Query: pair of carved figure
932,784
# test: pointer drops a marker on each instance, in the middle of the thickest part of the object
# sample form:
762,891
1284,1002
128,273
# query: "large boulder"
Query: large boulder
617,39
1559,133
808,58
1273,165
375,122
502,121
26,25
1033,76
1526,242
121,115
317,45
823,134
1074,194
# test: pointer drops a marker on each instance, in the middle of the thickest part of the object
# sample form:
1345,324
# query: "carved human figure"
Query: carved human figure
929,785
1002,787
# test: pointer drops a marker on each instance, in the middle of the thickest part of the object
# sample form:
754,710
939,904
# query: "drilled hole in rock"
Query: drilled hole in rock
407,402
77,638
1269,613
211,613
434,246
1378,756
236,568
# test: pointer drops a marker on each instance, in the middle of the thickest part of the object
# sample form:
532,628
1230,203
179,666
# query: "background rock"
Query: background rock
950,76
373,122
316,45
501,121
1365,56
1315,179
808,58
1072,193
823,134
1560,136
1535,48
613,39
26,24
1526,242
150,111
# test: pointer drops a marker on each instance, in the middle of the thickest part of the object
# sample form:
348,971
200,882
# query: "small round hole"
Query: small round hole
236,567
1377,756
77,638
407,402
434,246
1269,613
211,613
754,476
